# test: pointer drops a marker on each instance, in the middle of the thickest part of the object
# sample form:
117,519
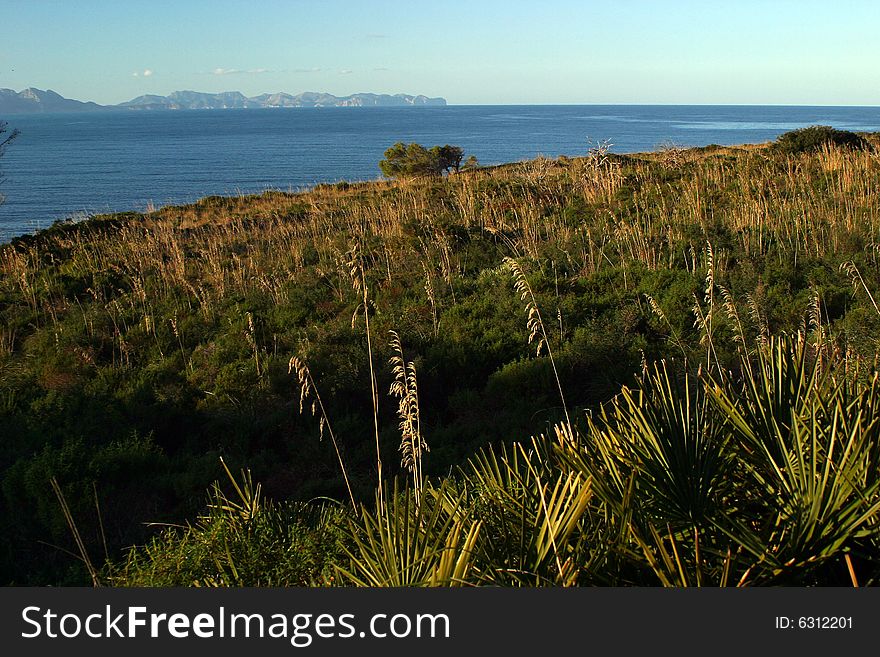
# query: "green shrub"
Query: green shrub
812,138
241,539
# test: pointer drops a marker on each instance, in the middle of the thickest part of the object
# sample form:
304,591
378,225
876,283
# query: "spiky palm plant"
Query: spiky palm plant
401,544
534,513
680,559
809,442
659,461
662,441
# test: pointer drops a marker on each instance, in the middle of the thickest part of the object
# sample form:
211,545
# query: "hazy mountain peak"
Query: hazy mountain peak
36,100
39,100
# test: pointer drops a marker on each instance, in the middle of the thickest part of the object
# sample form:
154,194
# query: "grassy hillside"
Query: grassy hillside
137,350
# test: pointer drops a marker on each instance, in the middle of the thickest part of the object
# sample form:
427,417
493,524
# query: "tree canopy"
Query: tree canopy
448,157
414,160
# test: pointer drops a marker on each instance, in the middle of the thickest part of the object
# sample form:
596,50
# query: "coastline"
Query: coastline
72,164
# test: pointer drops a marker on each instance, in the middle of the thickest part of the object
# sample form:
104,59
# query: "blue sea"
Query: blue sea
74,165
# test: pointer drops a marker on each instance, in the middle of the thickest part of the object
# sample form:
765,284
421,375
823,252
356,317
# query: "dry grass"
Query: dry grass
197,255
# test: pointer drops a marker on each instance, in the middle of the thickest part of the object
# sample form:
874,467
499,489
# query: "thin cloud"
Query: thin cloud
345,71
219,71
239,71
377,36
381,68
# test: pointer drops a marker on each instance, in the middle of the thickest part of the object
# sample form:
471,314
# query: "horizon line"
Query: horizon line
485,104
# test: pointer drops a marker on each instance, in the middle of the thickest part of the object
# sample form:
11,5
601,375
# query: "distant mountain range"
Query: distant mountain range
36,100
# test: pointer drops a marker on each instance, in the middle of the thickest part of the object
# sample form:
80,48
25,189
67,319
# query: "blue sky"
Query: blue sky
474,52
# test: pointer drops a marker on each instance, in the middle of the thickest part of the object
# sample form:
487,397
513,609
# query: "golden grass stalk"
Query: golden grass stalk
307,388
674,335
74,530
704,320
359,282
856,277
406,388
534,322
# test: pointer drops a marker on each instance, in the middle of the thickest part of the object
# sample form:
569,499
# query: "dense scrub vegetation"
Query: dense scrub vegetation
137,350
814,137
768,476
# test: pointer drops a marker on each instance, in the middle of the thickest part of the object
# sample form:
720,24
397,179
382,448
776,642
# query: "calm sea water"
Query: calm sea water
67,165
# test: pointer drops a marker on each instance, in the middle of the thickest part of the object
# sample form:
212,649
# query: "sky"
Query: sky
779,52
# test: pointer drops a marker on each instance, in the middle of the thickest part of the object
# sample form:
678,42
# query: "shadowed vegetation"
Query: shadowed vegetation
814,137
